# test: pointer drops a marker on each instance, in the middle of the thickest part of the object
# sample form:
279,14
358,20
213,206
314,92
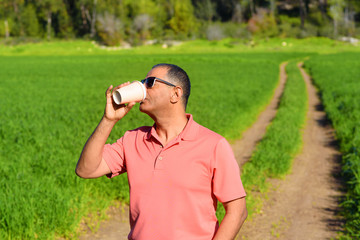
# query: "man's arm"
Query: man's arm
91,164
235,216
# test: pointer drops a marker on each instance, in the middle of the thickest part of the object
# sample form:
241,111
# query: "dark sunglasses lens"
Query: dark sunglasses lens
150,82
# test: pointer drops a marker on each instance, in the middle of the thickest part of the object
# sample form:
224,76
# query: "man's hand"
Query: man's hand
114,112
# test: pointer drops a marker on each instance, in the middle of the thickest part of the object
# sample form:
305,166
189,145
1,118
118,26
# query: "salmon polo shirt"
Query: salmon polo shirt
174,188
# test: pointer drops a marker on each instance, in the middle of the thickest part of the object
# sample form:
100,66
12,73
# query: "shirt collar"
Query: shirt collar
188,133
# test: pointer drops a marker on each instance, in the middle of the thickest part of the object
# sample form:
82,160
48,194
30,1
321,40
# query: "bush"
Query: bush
142,24
289,27
215,32
109,29
263,24
236,30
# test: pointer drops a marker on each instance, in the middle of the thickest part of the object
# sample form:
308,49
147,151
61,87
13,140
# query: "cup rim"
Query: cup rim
143,88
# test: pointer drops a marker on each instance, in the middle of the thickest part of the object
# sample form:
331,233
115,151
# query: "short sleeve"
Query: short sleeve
114,156
227,185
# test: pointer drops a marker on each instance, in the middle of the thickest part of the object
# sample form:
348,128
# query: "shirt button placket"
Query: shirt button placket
159,165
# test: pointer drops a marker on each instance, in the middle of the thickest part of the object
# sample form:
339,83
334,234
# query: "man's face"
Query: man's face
157,97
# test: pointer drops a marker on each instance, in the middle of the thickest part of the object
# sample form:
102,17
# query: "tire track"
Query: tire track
305,203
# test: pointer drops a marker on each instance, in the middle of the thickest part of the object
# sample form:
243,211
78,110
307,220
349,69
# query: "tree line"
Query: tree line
114,22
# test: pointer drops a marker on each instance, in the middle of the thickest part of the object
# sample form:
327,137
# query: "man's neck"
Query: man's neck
170,126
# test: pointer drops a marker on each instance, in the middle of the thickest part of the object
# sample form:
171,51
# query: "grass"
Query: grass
52,97
51,104
337,77
228,45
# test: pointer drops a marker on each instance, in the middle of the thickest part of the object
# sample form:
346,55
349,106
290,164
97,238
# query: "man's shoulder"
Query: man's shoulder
208,133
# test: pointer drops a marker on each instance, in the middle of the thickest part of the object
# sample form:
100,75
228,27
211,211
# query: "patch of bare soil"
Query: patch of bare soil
305,204
116,227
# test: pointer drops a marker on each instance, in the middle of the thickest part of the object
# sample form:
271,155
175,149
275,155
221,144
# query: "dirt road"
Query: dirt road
305,203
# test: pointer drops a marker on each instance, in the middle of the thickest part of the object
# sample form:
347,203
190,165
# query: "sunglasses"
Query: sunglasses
150,82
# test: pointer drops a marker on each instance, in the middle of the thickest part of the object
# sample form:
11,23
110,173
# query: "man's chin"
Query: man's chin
142,108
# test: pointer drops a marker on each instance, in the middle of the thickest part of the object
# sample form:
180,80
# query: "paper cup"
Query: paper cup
134,92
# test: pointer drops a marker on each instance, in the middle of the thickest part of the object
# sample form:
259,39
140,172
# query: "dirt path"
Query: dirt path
116,227
304,204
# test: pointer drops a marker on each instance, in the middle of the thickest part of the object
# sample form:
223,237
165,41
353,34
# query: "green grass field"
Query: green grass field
338,78
51,104
53,96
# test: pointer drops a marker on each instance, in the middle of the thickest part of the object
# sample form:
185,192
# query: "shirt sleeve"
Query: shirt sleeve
227,185
114,156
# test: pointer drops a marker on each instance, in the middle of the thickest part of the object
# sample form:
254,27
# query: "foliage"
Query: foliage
176,19
109,29
337,77
183,21
30,21
263,24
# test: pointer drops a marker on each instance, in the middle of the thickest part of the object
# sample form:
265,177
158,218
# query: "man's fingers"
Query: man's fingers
108,91
129,106
121,85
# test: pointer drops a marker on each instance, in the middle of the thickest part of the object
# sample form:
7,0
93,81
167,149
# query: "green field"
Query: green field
338,78
53,96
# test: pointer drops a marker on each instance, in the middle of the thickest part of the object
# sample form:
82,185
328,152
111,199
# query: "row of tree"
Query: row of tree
117,21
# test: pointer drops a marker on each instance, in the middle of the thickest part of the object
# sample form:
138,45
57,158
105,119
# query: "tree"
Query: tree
303,12
93,19
47,9
205,10
5,6
272,7
323,8
183,21
336,12
30,21
17,7
63,23
83,16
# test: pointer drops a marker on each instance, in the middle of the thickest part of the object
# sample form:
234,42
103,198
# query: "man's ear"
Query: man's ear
176,94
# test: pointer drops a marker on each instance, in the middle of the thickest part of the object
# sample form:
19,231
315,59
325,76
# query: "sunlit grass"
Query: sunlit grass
338,78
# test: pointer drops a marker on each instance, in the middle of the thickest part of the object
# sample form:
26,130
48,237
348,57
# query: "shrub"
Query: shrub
142,24
109,29
215,32
263,24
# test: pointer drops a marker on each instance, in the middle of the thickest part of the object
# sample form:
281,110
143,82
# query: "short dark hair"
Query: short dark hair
178,76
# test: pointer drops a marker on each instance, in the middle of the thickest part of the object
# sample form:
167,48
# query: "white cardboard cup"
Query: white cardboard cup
134,92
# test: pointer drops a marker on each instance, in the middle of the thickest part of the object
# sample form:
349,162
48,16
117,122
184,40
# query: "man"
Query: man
177,169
